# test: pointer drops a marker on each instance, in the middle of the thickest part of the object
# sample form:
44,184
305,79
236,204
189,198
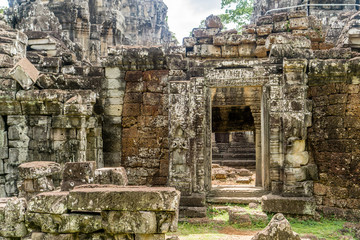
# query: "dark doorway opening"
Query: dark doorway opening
233,146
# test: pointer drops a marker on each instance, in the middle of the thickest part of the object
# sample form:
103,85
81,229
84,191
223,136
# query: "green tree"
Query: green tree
237,11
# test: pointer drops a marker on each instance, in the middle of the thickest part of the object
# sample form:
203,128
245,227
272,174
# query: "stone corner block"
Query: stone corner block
25,73
116,176
290,205
38,169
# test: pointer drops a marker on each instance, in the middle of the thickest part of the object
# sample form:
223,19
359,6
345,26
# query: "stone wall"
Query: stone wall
145,126
334,135
52,124
296,28
81,209
333,18
60,215
95,25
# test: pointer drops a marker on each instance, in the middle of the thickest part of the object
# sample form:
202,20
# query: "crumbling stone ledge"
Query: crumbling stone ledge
89,211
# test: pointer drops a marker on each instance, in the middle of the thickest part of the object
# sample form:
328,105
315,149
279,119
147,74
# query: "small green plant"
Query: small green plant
288,26
2,9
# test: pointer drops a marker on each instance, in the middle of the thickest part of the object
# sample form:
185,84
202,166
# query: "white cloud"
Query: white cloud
3,3
185,15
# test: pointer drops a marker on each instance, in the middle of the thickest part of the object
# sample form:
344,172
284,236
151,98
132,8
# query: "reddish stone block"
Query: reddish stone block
315,46
326,46
164,167
152,98
153,86
131,110
158,181
133,98
77,173
148,143
134,87
155,75
150,110
133,76
127,152
131,132
261,51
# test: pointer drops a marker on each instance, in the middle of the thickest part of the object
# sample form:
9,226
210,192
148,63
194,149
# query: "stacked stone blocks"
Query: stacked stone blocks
256,39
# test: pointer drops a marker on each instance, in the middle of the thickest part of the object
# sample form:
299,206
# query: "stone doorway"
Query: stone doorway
233,146
236,131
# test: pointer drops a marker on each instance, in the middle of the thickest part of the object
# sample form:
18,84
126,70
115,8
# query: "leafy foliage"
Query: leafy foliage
237,11
2,9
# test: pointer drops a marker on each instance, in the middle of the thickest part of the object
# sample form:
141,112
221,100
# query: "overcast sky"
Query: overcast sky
184,15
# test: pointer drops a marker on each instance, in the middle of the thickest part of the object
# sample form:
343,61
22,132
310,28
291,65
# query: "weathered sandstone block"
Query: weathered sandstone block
49,202
245,218
291,205
213,21
123,199
64,223
139,222
34,170
76,174
25,73
116,176
278,228
12,217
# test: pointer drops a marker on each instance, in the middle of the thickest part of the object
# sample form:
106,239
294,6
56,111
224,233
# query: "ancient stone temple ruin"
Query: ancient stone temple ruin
97,88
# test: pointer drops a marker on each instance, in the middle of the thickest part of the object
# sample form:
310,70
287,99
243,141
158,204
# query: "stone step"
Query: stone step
237,192
236,200
235,163
239,156
242,144
241,150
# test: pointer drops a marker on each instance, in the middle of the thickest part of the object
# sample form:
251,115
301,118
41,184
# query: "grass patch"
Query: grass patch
325,228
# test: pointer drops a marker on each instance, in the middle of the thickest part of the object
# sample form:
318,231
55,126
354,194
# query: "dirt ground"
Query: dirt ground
226,233
214,237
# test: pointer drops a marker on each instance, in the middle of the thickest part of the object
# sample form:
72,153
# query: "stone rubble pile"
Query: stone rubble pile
88,211
279,35
228,175
246,218
279,228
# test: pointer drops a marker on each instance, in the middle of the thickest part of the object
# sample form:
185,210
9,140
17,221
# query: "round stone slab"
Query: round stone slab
92,198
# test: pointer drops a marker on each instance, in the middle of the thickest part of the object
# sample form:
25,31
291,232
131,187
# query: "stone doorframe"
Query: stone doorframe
237,78
244,96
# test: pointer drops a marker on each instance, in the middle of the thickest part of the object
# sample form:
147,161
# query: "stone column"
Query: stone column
113,94
180,175
4,154
256,112
18,150
258,181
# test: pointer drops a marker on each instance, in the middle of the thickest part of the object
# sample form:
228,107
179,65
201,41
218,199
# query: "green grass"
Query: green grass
325,228
190,229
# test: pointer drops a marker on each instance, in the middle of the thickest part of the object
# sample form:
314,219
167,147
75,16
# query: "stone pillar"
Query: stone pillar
256,112
18,150
4,155
81,136
113,94
296,120
258,181
180,175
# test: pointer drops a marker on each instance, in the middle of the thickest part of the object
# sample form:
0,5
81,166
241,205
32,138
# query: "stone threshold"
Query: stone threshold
238,194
